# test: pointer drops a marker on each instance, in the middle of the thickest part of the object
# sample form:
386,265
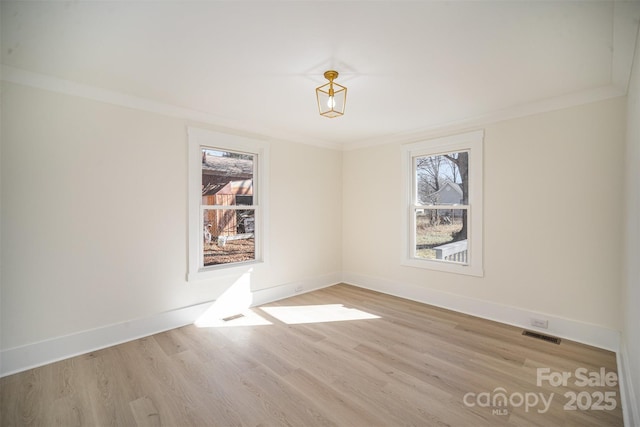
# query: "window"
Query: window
227,198
443,204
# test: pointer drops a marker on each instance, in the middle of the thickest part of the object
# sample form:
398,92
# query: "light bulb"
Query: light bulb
331,102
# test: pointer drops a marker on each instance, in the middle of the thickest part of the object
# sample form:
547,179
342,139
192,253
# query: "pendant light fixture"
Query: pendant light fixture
332,97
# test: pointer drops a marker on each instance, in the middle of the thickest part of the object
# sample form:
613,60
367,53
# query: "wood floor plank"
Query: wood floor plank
393,362
177,400
170,342
145,412
341,408
108,383
23,401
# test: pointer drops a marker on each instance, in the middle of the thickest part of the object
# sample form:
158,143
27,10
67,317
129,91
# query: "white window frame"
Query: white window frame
471,142
197,140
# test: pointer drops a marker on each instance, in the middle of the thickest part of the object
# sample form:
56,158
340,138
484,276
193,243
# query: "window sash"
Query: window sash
463,207
471,143
199,139
255,207
256,252
230,207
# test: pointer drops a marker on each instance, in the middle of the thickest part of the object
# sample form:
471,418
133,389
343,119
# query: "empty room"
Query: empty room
320,213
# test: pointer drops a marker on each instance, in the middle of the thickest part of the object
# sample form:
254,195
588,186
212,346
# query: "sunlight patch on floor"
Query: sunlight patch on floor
317,313
232,308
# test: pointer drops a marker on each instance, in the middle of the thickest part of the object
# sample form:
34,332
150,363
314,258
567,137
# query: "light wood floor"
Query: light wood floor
411,364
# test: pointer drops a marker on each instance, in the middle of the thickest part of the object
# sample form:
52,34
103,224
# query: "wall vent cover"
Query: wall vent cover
541,337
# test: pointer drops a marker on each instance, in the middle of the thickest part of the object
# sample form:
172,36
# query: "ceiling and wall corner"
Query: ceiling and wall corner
411,67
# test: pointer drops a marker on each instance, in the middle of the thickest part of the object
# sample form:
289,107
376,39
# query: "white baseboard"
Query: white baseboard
630,404
585,333
29,356
17,359
264,296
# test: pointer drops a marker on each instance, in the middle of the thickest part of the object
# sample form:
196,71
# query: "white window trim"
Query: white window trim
473,143
198,139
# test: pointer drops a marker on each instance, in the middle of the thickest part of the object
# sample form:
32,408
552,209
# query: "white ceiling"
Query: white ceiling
410,66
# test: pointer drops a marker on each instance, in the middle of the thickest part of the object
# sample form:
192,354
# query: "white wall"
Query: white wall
552,233
631,279
94,231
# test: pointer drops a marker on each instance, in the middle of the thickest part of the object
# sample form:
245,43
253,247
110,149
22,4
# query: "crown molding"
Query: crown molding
224,124
514,112
67,87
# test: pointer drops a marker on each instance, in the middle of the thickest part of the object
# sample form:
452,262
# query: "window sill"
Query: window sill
222,270
447,267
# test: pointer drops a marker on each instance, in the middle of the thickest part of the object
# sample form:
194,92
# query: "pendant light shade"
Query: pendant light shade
332,97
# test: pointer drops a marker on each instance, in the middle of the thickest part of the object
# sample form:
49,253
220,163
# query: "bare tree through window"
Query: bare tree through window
442,187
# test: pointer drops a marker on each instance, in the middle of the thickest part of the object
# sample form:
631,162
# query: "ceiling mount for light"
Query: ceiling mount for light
332,97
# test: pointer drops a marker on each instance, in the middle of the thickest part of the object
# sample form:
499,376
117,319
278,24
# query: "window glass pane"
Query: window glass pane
228,236
441,234
442,179
227,178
